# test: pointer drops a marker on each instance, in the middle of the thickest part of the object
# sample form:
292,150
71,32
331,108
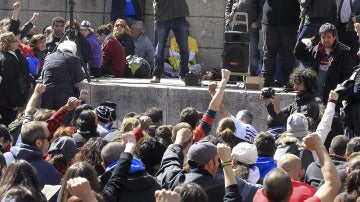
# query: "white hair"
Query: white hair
68,46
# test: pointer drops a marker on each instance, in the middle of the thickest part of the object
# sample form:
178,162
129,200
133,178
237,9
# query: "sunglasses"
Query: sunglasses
120,25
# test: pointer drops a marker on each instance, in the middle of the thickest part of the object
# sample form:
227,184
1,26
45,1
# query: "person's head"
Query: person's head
5,137
191,192
36,134
22,175
58,24
47,31
245,116
226,130
353,162
177,127
203,155
164,132
63,131
80,169
105,114
338,145
244,156
63,145
353,146
277,185
68,46
8,42
2,165
76,27
297,125
120,27
129,124
38,41
43,114
265,144
103,31
90,152
328,35
111,153
137,28
352,185
190,115
303,79
77,111
156,115
292,165
151,152
85,28
87,122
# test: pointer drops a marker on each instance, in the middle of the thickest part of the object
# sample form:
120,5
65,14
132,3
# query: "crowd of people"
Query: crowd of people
67,150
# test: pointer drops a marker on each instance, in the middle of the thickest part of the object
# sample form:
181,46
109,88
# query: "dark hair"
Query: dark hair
4,132
243,170
277,185
226,129
178,127
32,131
189,115
352,185
338,144
156,114
271,122
75,24
151,152
56,20
91,153
20,181
328,28
191,192
164,132
77,112
104,29
35,38
111,152
86,122
80,169
265,144
353,146
306,76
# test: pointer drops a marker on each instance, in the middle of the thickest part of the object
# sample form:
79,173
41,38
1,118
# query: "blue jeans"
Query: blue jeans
162,30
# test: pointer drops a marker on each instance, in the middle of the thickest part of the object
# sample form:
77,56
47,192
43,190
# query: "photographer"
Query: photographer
304,84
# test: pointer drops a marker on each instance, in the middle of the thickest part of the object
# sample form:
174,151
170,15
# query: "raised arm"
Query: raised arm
31,105
16,10
331,186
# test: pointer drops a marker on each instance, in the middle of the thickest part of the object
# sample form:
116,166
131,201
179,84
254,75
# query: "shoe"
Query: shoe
276,83
155,80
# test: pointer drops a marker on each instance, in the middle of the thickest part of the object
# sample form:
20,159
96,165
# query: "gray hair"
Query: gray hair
246,115
68,46
140,25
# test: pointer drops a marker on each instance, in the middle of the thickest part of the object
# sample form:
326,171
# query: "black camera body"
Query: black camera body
267,93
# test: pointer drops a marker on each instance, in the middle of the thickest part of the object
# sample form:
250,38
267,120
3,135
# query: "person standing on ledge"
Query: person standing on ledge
170,15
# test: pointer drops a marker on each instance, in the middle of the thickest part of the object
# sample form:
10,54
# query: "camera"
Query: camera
267,93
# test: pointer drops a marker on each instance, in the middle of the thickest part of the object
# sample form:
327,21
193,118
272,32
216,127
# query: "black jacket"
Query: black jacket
252,7
281,12
319,11
341,66
171,174
118,9
122,186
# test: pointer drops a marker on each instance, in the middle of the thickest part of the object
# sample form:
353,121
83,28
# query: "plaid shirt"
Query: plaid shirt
56,120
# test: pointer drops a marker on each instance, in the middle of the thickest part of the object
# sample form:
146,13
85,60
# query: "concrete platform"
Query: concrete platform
171,95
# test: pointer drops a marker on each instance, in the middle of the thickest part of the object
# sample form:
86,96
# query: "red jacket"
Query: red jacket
114,58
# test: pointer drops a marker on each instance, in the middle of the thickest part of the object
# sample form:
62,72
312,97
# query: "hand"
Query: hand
254,25
333,95
308,41
83,94
266,101
35,17
212,87
72,103
130,141
312,142
81,188
183,136
225,75
230,24
303,12
224,152
40,88
167,196
357,28
17,6
145,122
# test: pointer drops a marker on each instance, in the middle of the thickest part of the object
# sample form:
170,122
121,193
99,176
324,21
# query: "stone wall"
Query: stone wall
206,19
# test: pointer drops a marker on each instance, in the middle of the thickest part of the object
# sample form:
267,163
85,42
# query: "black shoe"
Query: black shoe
276,84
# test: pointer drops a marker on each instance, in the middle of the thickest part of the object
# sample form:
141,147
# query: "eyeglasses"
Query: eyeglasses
120,25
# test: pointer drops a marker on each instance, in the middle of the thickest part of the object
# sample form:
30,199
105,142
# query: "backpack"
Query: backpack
139,67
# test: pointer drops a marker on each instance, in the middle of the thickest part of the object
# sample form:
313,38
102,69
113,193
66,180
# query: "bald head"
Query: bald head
292,165
277,185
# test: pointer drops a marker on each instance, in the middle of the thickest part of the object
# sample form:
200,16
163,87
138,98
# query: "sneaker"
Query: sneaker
155,80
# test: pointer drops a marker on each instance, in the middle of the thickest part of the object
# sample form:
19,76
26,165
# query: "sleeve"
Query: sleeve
170,171
113,187
205,125
232,194
25,29
107,53
78,72
282,116
304,53
138,133
56,120
228,10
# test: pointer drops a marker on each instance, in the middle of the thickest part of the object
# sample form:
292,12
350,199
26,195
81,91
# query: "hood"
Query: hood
26,152
265,164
